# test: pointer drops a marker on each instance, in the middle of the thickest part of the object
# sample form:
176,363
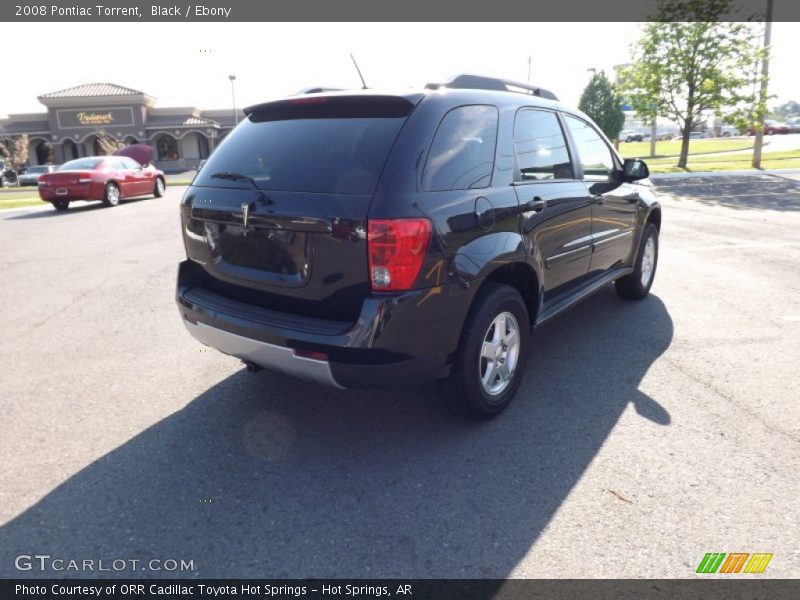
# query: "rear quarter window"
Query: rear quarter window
462,152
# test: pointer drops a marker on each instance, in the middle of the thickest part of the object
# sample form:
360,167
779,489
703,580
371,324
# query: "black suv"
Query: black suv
363,239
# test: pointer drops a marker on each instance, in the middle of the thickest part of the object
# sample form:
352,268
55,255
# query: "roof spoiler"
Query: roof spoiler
335,106
317,90
479,82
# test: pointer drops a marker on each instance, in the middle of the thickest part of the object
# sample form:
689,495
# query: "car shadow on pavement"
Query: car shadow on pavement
265,476
767,192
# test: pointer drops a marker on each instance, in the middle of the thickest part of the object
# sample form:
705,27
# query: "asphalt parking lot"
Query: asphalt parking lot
644,436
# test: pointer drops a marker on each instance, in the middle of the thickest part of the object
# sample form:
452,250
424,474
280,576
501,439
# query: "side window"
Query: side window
593,152
462,152
540,146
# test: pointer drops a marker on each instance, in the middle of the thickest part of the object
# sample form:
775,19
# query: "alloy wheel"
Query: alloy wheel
499,354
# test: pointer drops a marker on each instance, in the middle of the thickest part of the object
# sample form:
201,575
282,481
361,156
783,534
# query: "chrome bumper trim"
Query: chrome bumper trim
269,356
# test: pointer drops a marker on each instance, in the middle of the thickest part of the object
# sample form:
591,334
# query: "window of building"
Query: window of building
167,147
462,153
593,152
540,146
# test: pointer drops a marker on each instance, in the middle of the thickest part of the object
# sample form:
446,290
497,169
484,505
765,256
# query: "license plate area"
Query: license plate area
255,253
62,191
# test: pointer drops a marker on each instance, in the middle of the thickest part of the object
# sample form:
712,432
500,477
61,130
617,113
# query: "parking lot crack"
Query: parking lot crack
730,399
61,310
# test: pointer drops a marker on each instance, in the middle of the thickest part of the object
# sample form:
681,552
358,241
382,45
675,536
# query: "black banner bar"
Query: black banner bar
361,589
368,10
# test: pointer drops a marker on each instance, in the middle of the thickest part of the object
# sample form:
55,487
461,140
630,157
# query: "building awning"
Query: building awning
29,127
162,121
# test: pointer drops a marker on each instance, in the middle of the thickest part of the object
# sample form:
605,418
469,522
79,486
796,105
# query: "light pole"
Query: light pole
233,98
762,97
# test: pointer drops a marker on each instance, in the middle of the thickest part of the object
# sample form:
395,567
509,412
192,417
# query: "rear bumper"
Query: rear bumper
89,191
397,339
278,358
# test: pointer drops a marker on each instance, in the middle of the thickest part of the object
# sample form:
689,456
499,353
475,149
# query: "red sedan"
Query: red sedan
771,128
103,178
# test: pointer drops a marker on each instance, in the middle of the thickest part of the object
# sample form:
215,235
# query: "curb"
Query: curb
747,173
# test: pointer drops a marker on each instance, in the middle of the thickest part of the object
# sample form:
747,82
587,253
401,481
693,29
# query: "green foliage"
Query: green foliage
602,103
694,64
787,109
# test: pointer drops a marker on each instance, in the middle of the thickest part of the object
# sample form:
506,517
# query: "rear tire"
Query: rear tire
61,205
491,355
636,286
158,189
111,196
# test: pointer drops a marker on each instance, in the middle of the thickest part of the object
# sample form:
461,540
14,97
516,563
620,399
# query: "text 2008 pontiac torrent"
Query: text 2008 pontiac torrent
366,239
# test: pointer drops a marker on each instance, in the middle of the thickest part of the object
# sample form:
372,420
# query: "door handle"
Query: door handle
598,199
536,205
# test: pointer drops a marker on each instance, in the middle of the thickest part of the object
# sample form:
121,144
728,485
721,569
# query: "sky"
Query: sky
189,64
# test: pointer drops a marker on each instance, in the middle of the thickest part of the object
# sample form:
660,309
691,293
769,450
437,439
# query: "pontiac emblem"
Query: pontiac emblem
245,215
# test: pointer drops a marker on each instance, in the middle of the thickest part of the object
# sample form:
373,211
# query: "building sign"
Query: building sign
71,119
86,118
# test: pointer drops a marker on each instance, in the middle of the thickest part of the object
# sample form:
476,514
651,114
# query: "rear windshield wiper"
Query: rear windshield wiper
244,178
235,177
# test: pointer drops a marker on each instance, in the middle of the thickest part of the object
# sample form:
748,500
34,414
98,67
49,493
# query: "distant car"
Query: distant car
31,174
665,136
771,127
108,179
794,124
728,131
697,135
630,136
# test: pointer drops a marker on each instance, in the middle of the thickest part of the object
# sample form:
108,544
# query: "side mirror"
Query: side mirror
634,169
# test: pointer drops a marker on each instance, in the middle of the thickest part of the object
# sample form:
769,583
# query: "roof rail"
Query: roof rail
479,82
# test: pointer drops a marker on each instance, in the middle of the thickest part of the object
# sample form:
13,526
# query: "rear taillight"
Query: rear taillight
84,178
397,249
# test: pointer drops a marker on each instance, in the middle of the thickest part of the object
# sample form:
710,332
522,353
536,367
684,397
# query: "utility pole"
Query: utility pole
233,99
762,96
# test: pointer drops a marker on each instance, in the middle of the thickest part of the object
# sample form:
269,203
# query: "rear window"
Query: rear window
324,155
80,163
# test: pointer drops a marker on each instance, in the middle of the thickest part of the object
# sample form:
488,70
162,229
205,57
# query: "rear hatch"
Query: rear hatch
278,214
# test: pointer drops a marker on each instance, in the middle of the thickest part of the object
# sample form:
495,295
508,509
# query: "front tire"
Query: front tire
61,205
160,186
111,195
491,356
636,286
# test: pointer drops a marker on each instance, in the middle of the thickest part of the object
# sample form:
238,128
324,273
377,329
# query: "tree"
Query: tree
106,143
688,63
16,150
787,109
602,103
